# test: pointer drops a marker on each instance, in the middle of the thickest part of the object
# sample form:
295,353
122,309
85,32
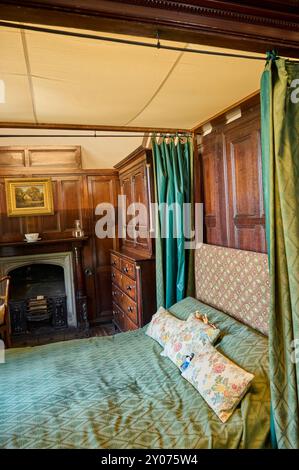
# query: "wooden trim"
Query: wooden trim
87,127
132,157
219,117
249,26
54,172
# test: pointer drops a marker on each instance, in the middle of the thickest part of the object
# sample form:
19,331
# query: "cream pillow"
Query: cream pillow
193,335
163,325
220,382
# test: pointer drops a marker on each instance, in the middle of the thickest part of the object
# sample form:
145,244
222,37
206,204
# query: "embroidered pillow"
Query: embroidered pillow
163,325
193,335
220,382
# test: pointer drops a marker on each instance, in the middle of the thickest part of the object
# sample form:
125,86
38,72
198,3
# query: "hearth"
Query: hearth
38,298
51,306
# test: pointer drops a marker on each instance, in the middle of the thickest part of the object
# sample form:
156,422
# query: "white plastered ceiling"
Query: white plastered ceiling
58,79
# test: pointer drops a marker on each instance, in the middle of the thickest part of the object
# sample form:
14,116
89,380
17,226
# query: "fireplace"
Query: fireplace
38,298
49,282
42,296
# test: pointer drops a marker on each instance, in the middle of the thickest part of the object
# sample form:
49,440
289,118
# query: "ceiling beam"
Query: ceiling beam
248,25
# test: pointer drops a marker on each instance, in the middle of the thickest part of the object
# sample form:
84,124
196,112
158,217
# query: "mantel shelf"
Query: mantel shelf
45,242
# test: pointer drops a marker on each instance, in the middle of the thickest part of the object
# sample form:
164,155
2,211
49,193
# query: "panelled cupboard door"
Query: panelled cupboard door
101,189
246,218
134,185
213,189
232,184
127,191
140,197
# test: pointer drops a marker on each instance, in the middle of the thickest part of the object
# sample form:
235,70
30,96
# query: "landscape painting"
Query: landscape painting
27,197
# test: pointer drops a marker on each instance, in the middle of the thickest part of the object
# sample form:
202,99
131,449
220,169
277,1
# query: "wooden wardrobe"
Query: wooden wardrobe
133,265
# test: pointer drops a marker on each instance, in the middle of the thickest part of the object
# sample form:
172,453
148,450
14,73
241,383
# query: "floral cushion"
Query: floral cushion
220,382
192,336
163,325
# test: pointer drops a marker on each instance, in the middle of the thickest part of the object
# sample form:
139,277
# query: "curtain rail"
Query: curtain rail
170,134
157,45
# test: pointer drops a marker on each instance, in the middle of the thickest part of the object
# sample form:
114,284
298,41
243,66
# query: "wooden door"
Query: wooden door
96,254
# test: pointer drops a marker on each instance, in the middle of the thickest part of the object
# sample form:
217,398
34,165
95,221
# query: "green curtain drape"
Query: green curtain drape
280,157
173,170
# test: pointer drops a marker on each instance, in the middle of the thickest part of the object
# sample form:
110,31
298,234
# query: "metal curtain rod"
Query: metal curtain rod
169,134
158,45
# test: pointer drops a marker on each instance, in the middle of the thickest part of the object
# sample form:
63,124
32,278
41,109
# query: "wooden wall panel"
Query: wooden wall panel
12,157
101,189
213,186
71,203
11,228
232,180
55,157
245,193
48,156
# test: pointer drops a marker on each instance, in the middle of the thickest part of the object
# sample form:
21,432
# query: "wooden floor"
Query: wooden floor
40,338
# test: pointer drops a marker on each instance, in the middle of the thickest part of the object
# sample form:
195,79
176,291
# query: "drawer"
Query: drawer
116,277
117,294
128,286
128,268
129,307
117,316
121,320
115,261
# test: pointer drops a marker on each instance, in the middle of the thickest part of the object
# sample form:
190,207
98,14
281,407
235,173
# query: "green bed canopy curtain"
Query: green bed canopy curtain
173,166
280,154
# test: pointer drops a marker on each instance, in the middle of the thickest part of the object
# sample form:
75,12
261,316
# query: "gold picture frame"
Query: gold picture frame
29,196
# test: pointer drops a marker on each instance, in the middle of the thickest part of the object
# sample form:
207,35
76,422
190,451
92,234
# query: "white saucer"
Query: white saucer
31,241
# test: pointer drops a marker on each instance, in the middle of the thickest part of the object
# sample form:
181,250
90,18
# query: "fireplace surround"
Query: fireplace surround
65,255
10,265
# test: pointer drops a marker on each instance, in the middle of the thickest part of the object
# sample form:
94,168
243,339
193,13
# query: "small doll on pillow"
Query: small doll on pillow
186,362
204,318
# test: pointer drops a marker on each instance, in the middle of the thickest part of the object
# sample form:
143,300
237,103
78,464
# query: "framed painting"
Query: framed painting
29,196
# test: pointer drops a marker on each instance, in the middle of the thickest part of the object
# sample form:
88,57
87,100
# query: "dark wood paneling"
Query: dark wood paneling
11,228
246,218
232,181
101,189
213,187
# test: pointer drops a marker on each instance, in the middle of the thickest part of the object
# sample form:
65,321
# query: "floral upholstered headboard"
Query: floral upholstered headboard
236,282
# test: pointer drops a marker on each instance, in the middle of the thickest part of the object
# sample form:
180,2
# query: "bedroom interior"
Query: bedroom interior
170,320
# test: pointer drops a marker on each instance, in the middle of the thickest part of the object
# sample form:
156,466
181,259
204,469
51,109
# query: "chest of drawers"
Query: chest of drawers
133,290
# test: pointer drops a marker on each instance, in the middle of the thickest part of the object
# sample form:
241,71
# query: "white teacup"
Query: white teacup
31,237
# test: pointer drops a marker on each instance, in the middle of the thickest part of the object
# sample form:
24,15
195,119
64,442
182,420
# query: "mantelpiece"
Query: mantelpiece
46,247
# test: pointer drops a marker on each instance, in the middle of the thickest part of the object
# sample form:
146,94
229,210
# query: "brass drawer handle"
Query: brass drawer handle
113,275
126,270
129,287
114,263
130,309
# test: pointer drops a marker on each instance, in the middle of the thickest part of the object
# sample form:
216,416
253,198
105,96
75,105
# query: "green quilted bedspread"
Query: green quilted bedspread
118,392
